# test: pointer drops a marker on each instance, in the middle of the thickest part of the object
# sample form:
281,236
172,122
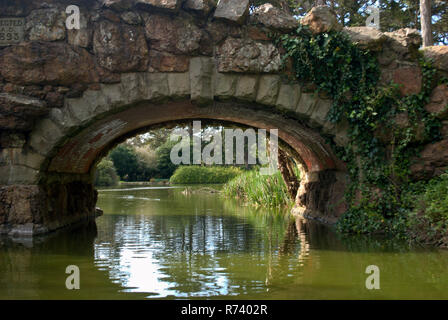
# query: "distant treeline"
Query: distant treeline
135,163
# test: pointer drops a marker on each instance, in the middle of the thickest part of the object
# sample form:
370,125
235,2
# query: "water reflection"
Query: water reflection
201,246
195,256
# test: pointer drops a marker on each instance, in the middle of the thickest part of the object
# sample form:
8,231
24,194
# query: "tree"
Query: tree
439,27
125,160
394,14
153,138
105,174
425,20
165,167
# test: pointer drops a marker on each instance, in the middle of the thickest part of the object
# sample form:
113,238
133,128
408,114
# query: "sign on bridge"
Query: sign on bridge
11,30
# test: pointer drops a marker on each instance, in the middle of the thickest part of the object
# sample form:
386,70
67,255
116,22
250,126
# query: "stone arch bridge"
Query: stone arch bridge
68,96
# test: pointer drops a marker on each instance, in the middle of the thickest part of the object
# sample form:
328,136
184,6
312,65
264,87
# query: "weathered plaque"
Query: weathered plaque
11,30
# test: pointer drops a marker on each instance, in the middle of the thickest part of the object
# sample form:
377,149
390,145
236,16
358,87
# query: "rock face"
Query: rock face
321,19
202,7
46,25
118,4
169,5
18,112
439,102
274,18
24,201
175,36
366,37
37,63
120,48
404,42
409,78
166,62
83,37
311,202
232,10
433,161
439,54
238,55
38,210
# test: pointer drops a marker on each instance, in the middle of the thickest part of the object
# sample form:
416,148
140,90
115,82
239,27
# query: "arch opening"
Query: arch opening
63,193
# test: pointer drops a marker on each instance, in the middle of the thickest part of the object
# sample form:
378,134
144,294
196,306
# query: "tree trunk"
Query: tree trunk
425,19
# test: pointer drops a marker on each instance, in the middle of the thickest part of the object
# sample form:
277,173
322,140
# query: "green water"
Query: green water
160,243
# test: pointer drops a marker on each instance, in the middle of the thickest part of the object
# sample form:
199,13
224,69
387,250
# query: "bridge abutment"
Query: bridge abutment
321,195
29,210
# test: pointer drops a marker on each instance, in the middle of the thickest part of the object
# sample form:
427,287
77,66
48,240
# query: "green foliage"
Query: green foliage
378,168
203,175
260,190
334,64
394,14
165,167
427,203
435,199
125,160
105,174
130,166
152,139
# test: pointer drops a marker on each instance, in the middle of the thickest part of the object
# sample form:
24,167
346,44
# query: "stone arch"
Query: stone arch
63,146
68,95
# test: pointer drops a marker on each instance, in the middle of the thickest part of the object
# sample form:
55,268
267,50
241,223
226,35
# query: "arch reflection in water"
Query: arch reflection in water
161,243
193,246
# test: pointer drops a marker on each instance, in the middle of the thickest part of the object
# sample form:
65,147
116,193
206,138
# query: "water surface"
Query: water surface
157,242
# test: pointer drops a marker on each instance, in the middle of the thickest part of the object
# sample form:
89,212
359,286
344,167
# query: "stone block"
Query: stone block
232,10
246,88
155,86
268,89
288,96
179,85
225,85
201,79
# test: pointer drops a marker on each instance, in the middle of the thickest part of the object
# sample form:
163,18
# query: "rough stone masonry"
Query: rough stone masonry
69,96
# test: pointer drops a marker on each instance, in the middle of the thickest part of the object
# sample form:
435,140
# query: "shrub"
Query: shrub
105,174
435,199
198,174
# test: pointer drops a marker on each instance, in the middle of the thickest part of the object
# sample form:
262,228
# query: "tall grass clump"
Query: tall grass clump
203,175
259,190
428,220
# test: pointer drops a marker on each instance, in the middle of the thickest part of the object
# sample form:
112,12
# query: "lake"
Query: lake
161,243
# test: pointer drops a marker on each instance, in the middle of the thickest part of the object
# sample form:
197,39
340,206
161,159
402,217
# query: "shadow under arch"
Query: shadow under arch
79,150
68,168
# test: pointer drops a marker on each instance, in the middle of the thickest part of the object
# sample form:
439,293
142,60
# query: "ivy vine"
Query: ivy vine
378,168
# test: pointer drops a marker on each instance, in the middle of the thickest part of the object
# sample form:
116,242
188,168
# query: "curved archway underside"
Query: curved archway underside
54,168
78,153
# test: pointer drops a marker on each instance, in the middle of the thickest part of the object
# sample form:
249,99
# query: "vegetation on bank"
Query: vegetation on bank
429,216
106,174
378,194
204,174
259,190
137,163
147,157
